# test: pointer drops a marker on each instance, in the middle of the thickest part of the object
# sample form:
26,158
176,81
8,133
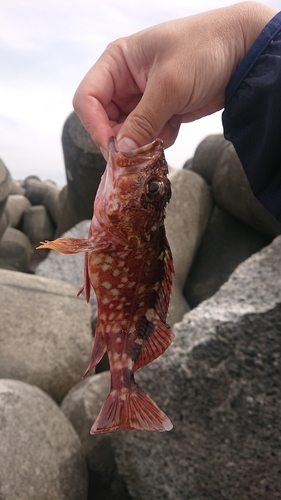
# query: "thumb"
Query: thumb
147,119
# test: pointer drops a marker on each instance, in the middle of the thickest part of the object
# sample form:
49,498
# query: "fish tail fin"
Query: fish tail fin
130,408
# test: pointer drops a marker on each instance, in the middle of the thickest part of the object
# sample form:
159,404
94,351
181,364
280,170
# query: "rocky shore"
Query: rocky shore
219,381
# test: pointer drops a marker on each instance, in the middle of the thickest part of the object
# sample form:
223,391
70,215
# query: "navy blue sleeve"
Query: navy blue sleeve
252,115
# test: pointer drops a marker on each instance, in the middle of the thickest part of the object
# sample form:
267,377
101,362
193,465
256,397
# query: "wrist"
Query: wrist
253,17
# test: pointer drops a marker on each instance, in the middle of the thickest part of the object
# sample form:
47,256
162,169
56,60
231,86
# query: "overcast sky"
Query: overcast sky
47,46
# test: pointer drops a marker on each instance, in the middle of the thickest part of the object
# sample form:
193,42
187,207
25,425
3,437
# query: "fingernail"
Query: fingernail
126,144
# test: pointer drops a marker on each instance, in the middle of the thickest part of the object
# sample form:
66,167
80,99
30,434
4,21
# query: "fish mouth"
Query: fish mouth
136,157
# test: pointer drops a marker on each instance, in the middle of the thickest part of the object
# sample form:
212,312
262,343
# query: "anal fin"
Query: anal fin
98,351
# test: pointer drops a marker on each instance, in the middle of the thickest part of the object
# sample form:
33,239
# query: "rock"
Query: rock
226,243
188,164
17,188
81,406
4,222
45,332
35,190
233,194
51,201
17,204
84,165
40,453
5,186
186,218
45,193
207,155
220,384
31,177
15,250
38,225
69,267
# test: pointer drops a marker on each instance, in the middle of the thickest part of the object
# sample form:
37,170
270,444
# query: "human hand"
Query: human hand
145,85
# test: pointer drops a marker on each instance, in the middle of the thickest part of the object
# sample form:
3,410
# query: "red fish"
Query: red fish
128,262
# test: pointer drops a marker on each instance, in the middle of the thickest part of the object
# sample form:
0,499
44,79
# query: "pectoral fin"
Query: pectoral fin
70,245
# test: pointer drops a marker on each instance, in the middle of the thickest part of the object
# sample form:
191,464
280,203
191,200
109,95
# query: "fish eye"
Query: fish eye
153,187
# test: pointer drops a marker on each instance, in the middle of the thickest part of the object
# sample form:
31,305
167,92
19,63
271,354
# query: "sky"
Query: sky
46,48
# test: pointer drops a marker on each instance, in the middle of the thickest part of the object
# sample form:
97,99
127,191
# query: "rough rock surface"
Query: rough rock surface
220,384
233,194
186,218
40,453
84,166
45,332
81,406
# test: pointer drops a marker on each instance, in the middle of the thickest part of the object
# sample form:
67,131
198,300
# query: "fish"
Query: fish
128,263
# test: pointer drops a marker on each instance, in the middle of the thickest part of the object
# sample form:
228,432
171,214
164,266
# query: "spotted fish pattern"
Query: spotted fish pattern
128,263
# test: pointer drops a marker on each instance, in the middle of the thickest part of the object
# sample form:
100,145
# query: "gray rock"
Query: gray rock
45,193
45,332
15,250
226,243
233,194
186,218
207,155
35,190
38,225
188,164
5,186
4,222
51,201
17,188
84,165
17,204
220,383
81,406
40,453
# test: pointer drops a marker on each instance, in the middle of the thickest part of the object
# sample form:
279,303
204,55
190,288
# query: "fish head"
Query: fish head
133,193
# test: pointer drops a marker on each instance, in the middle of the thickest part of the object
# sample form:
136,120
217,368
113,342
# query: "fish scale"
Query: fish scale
128,262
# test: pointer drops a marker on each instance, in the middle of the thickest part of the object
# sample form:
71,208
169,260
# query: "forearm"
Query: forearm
252,116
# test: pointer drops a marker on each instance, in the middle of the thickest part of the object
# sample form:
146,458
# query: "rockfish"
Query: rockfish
128,263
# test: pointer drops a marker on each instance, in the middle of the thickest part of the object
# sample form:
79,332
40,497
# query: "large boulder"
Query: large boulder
37,224
45,332
226,243
233,194
84,166
187,216
207,155
17,204
45,193
15,250
5,186
220,384
40,453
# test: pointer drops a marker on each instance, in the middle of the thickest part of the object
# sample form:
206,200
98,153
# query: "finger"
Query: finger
157,106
